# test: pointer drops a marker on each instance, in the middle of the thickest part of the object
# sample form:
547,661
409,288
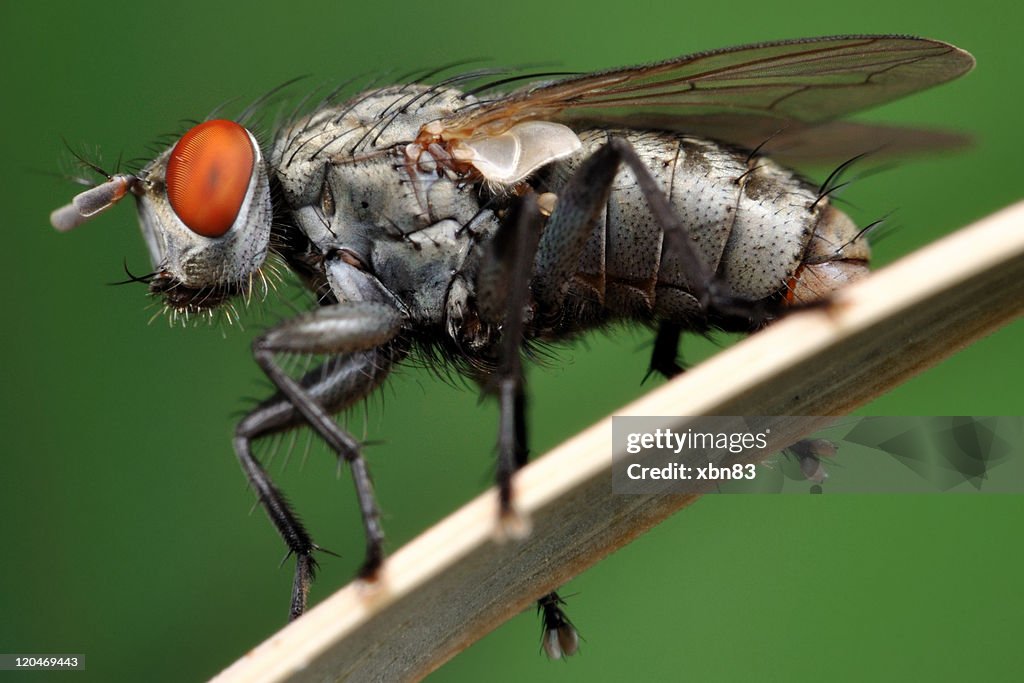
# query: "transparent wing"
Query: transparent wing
807,80
797,142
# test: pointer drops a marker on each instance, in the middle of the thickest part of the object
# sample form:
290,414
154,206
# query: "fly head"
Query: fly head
205,211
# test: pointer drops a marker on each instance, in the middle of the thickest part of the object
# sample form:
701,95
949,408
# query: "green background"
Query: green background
125,519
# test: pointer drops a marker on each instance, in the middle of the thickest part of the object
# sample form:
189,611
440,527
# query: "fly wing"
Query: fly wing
796,142
808,80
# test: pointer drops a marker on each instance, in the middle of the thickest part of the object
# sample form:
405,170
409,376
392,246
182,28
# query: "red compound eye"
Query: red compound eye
208,175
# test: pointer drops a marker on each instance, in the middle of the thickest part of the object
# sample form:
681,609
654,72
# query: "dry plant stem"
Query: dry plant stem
459,580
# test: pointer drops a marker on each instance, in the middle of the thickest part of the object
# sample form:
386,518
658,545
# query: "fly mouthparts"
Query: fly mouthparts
92,202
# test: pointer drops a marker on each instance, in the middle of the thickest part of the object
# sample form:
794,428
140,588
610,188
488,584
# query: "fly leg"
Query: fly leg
559,637
503,293
503,290
665,356
362,334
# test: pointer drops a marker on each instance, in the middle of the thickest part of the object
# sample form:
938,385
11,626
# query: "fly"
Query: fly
446,220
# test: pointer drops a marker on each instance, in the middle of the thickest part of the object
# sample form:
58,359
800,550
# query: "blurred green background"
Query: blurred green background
126,522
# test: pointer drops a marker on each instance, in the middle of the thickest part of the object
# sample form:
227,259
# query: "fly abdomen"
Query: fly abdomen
750,219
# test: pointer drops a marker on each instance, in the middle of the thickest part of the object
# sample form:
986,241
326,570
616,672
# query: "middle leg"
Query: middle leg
503,288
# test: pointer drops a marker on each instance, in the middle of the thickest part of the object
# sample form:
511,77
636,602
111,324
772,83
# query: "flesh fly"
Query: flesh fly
466,223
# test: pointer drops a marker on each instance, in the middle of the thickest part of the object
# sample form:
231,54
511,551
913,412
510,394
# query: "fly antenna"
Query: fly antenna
93,201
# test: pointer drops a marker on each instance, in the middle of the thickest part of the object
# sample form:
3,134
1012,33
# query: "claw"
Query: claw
559,637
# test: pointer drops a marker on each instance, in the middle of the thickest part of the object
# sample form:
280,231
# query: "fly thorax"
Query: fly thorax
349,187
410,230
372,120
365,134
421,268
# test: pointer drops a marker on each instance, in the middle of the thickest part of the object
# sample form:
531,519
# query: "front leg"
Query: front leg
364,333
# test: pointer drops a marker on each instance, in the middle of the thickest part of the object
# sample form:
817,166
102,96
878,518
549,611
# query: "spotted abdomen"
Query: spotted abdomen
751,220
